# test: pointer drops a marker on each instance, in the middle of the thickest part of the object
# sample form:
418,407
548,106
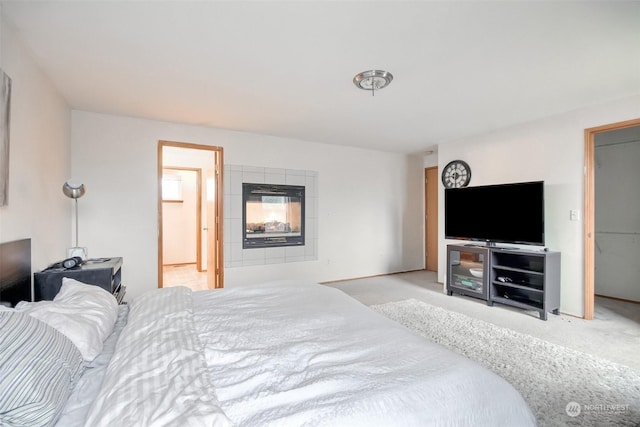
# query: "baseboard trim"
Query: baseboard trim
618,299
329,282
180,264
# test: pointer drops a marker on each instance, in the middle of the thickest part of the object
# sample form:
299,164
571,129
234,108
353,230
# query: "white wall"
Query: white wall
180,227
39,157
552,150
374,197
430,160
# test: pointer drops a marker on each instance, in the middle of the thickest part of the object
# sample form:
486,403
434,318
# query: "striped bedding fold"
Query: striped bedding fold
158,375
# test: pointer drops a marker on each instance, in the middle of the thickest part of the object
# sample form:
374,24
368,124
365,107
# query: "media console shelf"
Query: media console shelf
467,271
526,279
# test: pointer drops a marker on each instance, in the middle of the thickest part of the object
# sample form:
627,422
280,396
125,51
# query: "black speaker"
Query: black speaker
68,263
72,262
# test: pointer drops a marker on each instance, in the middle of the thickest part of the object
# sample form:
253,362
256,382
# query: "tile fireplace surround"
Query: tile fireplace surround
235,255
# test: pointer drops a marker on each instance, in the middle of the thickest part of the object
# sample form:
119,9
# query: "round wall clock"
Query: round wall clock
456,174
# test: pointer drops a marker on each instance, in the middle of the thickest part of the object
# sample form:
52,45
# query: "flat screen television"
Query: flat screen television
506,213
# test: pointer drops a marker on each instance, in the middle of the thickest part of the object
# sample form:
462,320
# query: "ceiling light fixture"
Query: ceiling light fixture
373,80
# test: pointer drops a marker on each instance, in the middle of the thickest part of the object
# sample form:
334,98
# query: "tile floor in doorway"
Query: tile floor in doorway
184,275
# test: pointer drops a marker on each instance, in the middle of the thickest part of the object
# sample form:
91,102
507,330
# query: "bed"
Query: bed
273,354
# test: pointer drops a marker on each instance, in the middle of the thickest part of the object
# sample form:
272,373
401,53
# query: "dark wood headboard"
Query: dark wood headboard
15,272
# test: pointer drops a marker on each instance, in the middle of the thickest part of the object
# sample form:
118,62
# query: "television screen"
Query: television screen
507,213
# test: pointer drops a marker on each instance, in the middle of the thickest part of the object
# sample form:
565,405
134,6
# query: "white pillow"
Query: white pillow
84,313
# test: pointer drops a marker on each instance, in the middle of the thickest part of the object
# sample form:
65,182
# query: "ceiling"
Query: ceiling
286,68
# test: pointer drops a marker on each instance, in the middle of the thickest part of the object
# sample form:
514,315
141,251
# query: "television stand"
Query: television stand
489,245
526,279
467,270
522,278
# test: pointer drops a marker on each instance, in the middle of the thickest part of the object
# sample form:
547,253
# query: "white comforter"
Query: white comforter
290,355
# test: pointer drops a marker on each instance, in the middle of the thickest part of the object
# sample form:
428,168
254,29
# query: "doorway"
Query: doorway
431,218
190,215
590,243
182,230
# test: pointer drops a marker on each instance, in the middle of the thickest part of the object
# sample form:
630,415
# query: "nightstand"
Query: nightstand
103,272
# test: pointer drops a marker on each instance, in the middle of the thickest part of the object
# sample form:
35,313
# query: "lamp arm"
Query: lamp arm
76,222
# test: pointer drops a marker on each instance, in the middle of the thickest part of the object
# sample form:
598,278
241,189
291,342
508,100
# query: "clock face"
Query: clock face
456,174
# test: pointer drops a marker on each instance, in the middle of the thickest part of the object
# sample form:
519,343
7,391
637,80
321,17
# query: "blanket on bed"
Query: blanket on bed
157,375
289,354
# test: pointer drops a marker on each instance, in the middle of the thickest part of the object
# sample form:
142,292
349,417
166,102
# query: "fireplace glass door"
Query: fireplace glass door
273,215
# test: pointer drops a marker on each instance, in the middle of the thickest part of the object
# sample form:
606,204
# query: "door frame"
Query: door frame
589,210
219,246
427,235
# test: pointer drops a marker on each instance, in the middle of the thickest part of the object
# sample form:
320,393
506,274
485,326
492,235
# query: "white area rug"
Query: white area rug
562,386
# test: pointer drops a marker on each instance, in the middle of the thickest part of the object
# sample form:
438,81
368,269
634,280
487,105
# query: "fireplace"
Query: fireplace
272,215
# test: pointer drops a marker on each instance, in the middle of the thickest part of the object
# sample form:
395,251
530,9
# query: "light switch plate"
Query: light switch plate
574,215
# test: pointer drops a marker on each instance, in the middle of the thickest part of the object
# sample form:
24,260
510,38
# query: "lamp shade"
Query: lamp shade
73,190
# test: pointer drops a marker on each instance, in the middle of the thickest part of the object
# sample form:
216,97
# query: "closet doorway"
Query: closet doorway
190,215
616,228
431,218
